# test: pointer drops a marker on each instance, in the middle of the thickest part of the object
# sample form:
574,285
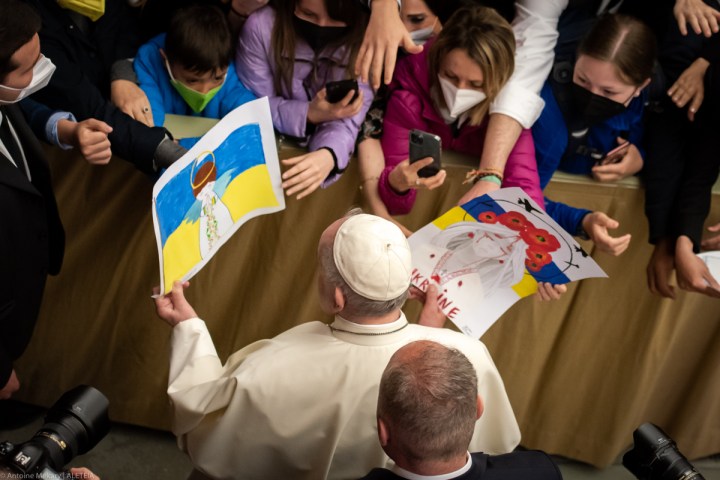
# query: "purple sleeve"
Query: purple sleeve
340,135
252,62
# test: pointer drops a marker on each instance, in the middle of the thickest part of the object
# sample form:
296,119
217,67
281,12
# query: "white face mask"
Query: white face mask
459,100
421,36
42,71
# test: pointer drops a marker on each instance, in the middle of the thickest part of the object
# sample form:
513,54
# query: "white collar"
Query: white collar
4,150
445,476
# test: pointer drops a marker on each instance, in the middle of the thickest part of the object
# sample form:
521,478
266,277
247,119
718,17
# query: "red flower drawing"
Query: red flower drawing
539,257
539,239
488,217
514,221
532,265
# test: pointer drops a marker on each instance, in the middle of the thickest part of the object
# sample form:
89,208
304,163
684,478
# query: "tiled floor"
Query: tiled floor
129,452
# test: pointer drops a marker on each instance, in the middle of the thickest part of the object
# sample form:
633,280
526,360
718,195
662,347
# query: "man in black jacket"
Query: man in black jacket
84,51
32,239
427,408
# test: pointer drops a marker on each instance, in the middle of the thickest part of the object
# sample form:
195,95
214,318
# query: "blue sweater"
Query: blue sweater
155,82
551,140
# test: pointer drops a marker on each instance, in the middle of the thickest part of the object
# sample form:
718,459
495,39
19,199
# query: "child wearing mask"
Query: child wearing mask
592,120
289,51
189,70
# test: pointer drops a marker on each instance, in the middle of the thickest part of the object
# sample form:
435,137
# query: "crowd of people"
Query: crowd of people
604,88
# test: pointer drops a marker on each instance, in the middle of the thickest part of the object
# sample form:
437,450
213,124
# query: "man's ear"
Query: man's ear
383,433
480,407
339,300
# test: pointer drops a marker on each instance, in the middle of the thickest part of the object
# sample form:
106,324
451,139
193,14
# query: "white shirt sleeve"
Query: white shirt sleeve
535,28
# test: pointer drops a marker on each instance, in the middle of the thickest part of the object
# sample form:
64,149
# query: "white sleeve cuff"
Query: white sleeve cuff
519,103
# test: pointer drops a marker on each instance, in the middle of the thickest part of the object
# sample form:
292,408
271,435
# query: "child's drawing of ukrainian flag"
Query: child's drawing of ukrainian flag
230,176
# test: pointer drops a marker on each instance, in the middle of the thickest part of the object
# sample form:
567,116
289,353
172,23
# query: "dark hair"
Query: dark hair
284,36
488,40
199,39
19,22
428,395
625,42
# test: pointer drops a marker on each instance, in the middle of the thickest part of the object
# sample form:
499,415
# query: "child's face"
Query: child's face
601,78
200,82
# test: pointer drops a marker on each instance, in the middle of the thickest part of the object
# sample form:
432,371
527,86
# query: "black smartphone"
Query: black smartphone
422,145
336,91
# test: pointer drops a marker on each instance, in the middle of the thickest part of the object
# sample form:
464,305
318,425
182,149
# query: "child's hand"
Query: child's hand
597,224
321,111
307,172
630,164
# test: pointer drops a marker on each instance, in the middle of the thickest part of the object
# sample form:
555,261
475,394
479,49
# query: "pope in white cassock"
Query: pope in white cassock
302,405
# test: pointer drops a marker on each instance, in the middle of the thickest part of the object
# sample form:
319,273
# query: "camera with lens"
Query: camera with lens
656,457
73,426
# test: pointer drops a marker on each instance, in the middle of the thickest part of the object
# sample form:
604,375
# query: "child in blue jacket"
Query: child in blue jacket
189,70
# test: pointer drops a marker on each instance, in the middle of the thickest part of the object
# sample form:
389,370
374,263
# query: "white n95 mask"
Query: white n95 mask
459,100
42,71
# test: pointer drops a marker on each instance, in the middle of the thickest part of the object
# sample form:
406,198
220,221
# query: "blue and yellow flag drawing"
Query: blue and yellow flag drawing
231,175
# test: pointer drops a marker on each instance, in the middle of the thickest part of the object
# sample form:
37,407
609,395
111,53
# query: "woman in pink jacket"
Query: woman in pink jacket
447,90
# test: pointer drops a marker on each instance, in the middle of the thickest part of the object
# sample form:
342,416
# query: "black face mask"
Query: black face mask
587,109
316,36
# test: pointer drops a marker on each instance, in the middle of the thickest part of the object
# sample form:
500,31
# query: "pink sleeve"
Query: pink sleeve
521,168
403,114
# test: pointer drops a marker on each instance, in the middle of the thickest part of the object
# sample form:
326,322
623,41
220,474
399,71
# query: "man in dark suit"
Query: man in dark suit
427,408
32,239
84,51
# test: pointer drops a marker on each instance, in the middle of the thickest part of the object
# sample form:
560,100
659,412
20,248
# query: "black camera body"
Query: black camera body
73,426
656,457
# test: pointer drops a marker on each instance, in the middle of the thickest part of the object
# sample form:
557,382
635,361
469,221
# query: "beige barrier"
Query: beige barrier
582,373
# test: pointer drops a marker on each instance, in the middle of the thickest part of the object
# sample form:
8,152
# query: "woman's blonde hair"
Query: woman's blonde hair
488,40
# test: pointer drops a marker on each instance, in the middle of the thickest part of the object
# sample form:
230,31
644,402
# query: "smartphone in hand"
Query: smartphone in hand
336,91
615,155
423,145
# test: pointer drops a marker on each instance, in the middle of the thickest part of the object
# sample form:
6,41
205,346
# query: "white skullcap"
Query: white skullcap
373,257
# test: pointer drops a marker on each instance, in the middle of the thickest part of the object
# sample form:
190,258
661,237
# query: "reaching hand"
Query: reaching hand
173,307
384,34
660,268
692,273
405,176
712,243
547,291
702,18
130,98
478,190
431,314
596,225
10,387
690,87
307,172
630,164
321,111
